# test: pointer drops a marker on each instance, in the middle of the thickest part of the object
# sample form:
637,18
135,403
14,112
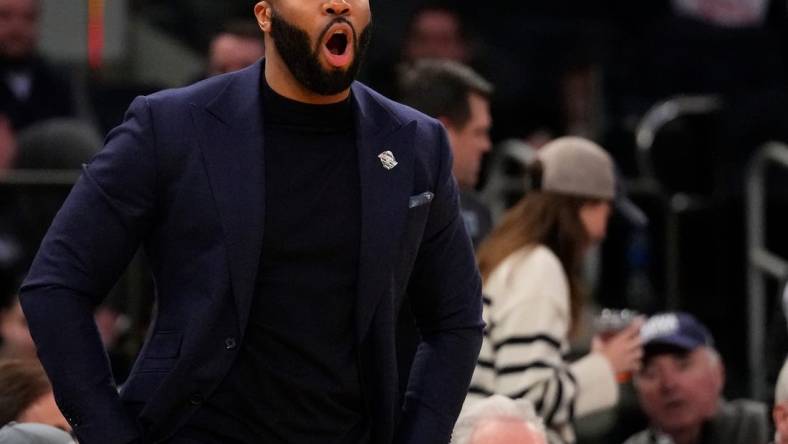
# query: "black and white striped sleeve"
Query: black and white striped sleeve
527,312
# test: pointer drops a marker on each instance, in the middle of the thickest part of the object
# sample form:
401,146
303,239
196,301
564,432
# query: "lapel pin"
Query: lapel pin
387,159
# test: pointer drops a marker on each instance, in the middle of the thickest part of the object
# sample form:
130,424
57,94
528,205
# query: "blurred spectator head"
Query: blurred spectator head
574,166
780,410
15,340
499,419
19,20
26,395
567,209
53,144
238,46
436,30
460,98
681,381
32,433
57,144
726,13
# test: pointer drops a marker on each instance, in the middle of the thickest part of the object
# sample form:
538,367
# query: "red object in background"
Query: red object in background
95,33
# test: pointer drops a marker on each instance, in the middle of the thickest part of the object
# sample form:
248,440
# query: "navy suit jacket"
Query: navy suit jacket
183,177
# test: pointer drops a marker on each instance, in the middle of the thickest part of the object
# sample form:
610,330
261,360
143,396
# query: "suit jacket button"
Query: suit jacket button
230,344
196,399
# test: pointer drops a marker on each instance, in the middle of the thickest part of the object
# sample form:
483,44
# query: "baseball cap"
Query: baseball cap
675,329
579,167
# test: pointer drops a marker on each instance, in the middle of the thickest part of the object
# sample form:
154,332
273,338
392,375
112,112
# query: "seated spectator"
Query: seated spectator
26,395
531,265
30,89
239,46
441,29
15,340
460,98
780,410
499,420
55,144
31,433
437,31
680,388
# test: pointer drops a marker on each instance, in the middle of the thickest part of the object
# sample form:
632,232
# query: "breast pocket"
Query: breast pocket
418,211
420,199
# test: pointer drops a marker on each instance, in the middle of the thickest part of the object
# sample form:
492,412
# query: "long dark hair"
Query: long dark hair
546,218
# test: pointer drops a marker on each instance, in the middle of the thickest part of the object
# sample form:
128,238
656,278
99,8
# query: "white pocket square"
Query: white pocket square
420,199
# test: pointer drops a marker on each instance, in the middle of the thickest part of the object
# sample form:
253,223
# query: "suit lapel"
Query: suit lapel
230,134
384,200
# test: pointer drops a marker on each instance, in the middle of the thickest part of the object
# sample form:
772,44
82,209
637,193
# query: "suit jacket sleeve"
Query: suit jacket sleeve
91,241
445,294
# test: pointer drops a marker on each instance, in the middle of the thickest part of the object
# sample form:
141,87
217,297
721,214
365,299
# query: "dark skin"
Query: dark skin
312,16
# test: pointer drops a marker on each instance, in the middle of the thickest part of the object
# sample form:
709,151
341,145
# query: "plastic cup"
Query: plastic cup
608,323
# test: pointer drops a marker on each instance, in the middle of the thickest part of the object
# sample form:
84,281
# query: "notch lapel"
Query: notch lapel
230,134
384,200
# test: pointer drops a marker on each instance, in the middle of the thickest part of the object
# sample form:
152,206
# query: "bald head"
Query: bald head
506,430
499,420
780,410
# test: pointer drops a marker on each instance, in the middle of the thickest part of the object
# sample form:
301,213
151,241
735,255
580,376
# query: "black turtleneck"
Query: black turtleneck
296,379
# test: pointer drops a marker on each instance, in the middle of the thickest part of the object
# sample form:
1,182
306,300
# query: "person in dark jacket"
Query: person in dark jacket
460,98
31,89
285,210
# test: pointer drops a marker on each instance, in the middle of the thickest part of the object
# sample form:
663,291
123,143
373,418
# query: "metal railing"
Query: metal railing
45,178
676,204
501,184
761,263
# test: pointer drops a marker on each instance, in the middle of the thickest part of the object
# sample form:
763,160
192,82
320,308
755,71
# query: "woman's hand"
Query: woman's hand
623,349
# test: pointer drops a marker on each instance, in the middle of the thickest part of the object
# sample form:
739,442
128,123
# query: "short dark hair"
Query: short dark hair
440,88
21,384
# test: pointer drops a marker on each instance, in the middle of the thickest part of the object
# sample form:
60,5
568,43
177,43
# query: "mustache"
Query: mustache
333,22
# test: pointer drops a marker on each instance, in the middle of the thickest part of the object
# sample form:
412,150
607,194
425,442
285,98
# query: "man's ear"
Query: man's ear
722,375
447,123
780,416
717,368
263,11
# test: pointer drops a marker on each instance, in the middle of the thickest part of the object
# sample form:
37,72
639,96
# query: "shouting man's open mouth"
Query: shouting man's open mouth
337,45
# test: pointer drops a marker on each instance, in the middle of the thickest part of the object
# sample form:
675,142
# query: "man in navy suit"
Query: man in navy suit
285,211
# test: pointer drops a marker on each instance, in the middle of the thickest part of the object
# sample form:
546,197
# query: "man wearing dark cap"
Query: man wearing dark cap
680,385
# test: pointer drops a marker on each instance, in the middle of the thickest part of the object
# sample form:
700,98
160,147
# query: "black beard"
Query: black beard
303,61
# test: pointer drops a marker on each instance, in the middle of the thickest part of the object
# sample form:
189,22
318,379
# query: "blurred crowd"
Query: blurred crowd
522,89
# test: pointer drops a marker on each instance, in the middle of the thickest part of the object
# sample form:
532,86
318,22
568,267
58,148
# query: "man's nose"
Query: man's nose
336,7
667,380
487,146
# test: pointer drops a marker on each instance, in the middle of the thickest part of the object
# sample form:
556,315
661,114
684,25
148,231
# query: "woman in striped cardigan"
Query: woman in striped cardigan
531,266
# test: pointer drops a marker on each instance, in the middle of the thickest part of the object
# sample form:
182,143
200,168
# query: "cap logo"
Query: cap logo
660,325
